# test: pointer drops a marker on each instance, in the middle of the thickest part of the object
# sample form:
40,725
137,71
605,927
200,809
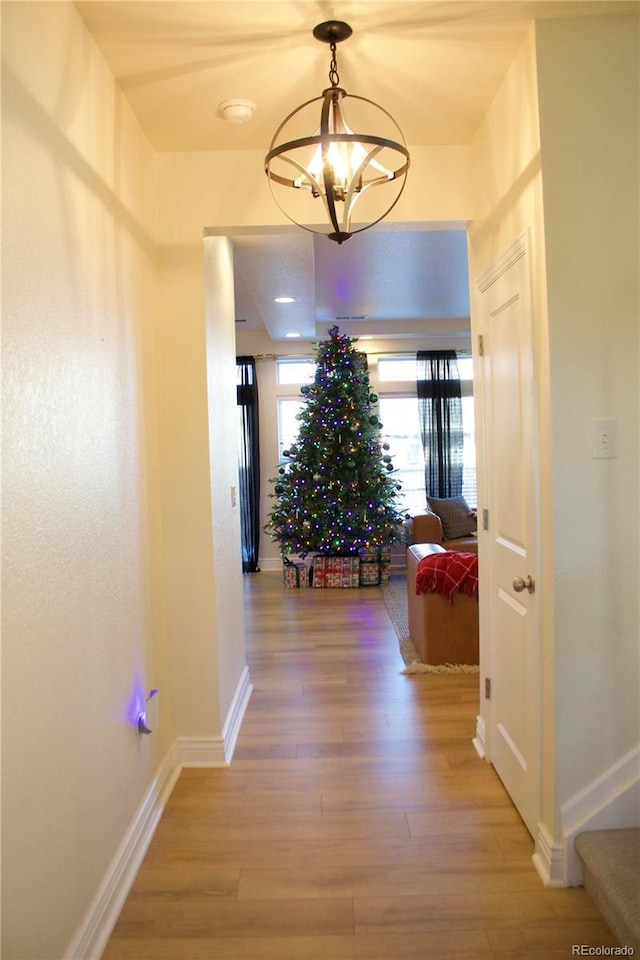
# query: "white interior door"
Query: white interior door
512,645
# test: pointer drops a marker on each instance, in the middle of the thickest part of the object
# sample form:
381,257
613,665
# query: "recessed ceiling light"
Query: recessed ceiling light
292,335
284,299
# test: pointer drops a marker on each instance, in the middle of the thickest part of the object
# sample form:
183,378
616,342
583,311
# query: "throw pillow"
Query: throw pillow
456,516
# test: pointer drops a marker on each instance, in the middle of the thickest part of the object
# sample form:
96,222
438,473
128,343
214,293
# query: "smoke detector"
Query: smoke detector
237,110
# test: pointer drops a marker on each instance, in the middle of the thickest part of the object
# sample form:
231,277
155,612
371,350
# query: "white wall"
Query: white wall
228,189
112,575
574,186
197,195
223,442
83,615
113,582
590,120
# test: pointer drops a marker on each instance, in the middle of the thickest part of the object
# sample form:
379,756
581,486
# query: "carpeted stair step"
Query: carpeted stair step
612,877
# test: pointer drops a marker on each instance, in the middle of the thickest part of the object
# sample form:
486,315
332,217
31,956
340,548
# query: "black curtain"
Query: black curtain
440,403
249,462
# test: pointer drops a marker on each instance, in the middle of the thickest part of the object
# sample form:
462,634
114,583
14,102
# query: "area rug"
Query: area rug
394,594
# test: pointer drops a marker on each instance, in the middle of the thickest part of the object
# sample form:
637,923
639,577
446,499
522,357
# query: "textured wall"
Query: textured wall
196,358
590,134
82,600
223,442
571,177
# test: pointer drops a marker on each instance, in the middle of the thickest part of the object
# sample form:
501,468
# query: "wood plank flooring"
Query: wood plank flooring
356,821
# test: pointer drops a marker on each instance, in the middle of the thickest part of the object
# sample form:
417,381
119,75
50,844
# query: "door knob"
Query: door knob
519,584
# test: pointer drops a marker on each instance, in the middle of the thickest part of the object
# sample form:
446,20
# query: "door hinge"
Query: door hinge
485,519
480,345
487,688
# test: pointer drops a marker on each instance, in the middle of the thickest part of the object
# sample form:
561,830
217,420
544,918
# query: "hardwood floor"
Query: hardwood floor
356,821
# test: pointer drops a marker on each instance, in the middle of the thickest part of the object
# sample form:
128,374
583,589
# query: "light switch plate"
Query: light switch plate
605,438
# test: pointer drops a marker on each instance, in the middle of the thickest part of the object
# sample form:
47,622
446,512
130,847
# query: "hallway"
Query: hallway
356,821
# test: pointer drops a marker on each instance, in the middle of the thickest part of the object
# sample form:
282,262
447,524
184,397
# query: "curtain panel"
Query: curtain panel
249,462
440,407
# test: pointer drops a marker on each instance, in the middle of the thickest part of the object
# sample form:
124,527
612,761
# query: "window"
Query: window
291,373
397,368
300,370
404,369
469,484
401,428
288,424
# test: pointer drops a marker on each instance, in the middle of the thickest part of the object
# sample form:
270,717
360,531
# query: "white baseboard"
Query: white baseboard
236,714
217,751
480,739
95,930
548,859
100,919
610,802
201,752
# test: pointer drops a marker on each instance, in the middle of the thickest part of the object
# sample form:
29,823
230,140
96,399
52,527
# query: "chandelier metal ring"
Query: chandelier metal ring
345,164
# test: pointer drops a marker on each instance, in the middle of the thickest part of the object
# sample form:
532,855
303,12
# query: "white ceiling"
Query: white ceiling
378,283
434,65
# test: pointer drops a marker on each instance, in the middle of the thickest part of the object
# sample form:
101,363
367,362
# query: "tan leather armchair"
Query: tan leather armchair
427,528
441,632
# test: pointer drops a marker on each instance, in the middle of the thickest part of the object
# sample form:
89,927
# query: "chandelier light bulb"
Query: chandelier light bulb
346,161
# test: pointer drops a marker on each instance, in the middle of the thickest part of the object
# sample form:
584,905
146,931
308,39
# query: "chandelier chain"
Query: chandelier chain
333,66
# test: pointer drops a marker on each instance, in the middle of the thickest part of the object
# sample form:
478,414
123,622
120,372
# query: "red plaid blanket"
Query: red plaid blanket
447,573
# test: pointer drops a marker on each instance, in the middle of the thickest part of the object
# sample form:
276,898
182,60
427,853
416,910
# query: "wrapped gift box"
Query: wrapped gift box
375,565
336,571
296,574
370,573
350,572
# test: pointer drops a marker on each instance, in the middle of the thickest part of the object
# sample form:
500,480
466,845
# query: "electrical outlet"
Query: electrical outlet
234,496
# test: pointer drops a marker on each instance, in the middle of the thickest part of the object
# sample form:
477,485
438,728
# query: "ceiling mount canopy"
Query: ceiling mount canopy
338,162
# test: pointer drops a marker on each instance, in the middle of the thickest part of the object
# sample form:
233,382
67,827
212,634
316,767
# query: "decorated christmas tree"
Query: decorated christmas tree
336,493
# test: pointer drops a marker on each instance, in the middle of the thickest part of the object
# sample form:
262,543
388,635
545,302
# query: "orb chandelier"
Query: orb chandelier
338,164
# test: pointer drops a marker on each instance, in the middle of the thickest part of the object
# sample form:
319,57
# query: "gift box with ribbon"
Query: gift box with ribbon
296,573
336,571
